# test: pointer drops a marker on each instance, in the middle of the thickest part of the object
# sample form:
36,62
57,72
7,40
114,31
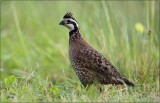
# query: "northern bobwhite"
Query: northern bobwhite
90,66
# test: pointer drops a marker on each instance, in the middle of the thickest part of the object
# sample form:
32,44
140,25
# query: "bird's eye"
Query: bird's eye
68,21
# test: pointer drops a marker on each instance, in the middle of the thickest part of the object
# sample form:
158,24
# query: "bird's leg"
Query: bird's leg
100,88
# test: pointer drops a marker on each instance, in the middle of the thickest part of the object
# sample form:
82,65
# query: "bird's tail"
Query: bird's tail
129,83
126,81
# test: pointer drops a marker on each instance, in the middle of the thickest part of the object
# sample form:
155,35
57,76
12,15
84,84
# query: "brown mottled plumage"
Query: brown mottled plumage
90,66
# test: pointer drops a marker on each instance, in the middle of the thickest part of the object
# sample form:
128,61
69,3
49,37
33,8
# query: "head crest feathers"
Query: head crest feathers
69,15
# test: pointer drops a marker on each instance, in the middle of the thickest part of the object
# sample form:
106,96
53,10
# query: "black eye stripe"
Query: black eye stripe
70,22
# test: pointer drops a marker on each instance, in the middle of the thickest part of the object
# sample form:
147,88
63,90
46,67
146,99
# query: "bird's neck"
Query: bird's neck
74,36
74,32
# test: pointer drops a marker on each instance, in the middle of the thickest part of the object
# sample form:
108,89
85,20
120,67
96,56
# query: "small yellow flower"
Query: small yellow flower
139,27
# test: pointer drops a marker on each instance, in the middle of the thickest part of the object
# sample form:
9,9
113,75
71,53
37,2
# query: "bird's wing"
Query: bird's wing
98,65
94,61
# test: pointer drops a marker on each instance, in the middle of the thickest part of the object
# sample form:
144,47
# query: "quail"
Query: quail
89,65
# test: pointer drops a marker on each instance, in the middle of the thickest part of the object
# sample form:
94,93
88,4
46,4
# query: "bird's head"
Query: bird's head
69,22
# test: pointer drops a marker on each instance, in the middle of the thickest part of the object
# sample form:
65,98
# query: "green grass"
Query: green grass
34,50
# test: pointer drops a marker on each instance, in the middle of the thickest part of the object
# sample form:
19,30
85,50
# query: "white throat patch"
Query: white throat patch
70,26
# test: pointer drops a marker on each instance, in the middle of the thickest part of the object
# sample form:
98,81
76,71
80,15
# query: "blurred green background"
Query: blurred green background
125,32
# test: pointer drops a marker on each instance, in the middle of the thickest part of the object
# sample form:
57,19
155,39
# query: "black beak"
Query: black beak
62,22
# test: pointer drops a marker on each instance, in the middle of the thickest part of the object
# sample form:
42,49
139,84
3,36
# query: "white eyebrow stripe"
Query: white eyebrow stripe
74,21
71,20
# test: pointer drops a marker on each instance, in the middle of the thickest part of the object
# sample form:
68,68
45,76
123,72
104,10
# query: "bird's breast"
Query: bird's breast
76,44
